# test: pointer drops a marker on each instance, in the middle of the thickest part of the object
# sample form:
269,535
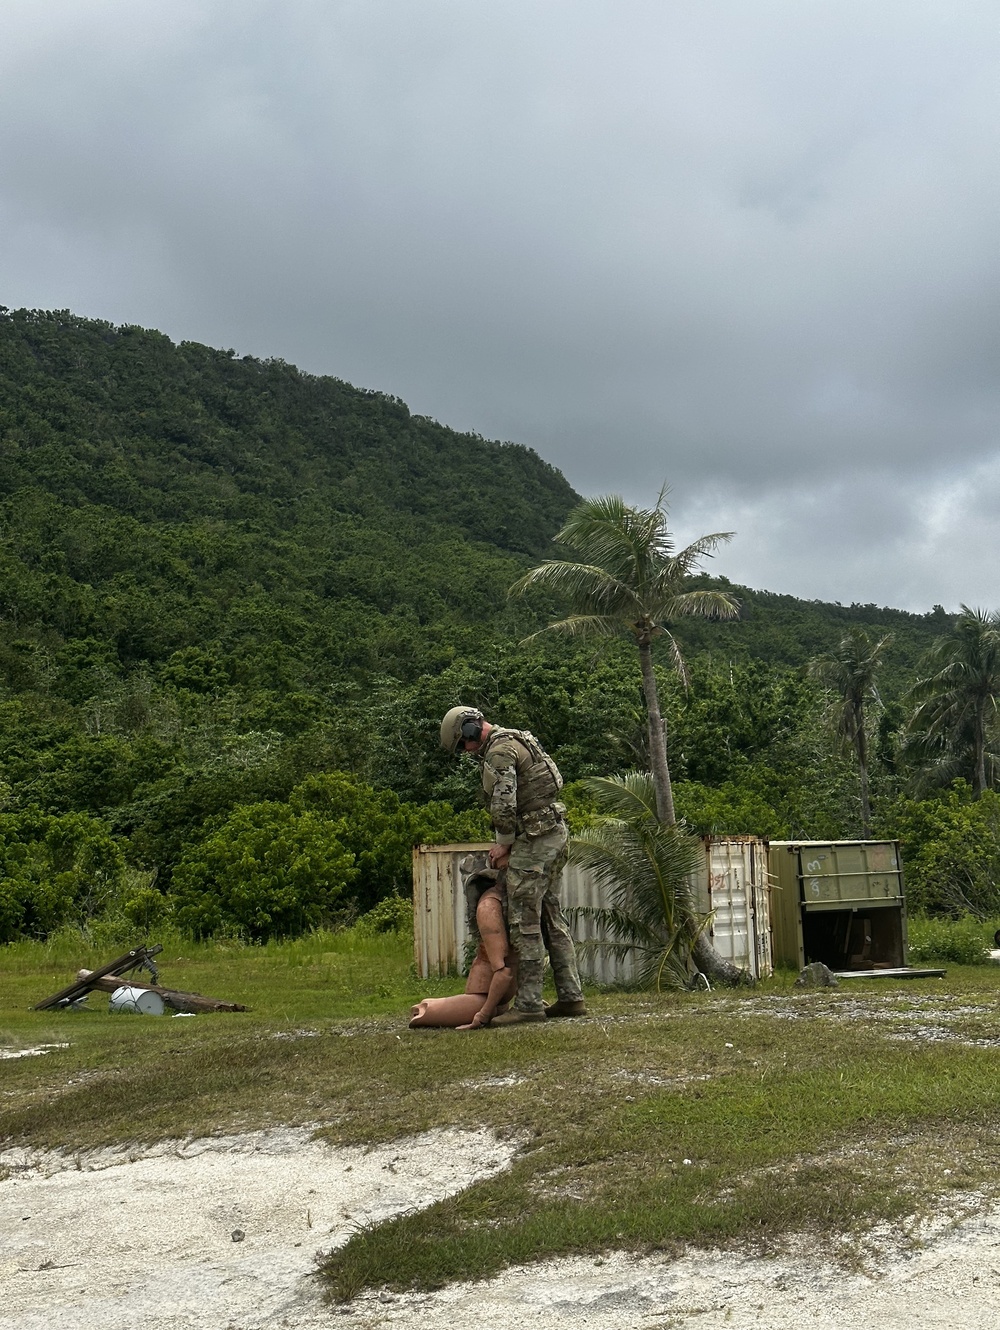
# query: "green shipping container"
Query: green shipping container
839,902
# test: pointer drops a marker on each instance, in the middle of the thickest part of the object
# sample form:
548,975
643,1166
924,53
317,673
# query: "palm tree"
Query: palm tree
645,868
849,671
627,578
950,729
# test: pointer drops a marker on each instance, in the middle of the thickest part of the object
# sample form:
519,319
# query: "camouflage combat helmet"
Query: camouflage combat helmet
459,724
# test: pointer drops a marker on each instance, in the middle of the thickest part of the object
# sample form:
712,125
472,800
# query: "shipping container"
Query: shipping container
838,902
731,884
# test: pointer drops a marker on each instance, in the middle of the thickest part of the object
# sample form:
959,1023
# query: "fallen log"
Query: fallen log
179,1001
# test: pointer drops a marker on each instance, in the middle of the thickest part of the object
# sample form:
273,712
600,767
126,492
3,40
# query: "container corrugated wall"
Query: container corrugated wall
439,929
819,886
732,884
579,890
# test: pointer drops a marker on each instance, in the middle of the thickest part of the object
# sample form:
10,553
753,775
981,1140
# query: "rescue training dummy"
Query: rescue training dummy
492,980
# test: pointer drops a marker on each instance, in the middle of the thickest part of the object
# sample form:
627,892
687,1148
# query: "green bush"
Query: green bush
730,809
267,871
964,941
951,851
381,830
392,915
54,870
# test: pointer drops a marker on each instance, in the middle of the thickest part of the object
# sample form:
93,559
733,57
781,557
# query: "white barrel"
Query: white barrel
137,1001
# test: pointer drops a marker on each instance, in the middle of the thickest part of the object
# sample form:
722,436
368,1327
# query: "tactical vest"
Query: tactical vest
538,778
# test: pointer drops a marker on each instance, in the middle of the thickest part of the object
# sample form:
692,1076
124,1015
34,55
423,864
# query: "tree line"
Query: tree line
222,579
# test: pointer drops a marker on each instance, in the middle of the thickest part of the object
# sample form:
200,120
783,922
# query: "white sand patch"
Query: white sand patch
953,1283
36,1052
144,1236
117,1239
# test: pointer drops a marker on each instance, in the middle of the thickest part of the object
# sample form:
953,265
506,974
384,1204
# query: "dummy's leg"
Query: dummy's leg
492,929
446,1012
491,983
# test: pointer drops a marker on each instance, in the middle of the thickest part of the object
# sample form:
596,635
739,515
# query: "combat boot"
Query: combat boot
516,1017
565,1008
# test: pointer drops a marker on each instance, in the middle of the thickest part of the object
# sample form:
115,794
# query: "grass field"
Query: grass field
658,1120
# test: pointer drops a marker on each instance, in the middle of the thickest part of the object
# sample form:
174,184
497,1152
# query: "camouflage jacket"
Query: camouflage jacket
520,785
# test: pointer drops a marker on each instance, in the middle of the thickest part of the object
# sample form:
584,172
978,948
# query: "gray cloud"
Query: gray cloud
750,248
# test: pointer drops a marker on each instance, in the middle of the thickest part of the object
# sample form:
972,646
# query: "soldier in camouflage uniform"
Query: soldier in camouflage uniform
520,786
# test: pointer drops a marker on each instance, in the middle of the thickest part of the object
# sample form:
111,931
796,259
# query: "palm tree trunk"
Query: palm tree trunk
716,967
657,740
862,750
866,807
706,958
980,747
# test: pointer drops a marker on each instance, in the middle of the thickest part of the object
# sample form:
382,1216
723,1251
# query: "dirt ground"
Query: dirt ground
221,1234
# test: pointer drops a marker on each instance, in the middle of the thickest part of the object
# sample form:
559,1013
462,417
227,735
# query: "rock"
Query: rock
816,975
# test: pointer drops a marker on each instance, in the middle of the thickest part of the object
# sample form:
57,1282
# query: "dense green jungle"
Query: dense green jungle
236,599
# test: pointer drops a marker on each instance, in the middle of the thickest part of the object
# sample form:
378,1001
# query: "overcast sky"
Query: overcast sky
747,246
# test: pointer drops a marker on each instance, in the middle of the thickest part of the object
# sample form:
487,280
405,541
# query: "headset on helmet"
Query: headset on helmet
472,729
461,725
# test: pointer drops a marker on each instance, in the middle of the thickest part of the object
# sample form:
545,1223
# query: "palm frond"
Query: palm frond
702,605
592,589
631,796
955,701
580,625
678,660
607,528
587,579
625,928
645,869
687,560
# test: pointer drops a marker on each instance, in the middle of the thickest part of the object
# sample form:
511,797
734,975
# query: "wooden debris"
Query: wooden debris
111,976
107,983
120,965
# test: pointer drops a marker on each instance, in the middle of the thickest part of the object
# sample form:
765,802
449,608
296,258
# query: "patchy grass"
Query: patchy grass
657,1121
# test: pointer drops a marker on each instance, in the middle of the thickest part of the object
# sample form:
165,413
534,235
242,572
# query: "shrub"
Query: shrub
392,915
54,870
380,830
730,809
269,870
951,851
963,941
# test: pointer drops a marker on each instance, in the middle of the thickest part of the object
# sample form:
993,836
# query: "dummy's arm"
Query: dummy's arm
489,919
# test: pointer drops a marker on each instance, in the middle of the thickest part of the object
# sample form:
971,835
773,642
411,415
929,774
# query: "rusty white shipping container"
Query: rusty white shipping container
731,885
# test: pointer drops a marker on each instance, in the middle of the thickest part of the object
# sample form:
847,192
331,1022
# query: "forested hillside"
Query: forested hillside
223,580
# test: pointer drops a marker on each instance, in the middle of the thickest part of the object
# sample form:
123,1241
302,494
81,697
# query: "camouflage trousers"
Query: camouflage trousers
536,920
